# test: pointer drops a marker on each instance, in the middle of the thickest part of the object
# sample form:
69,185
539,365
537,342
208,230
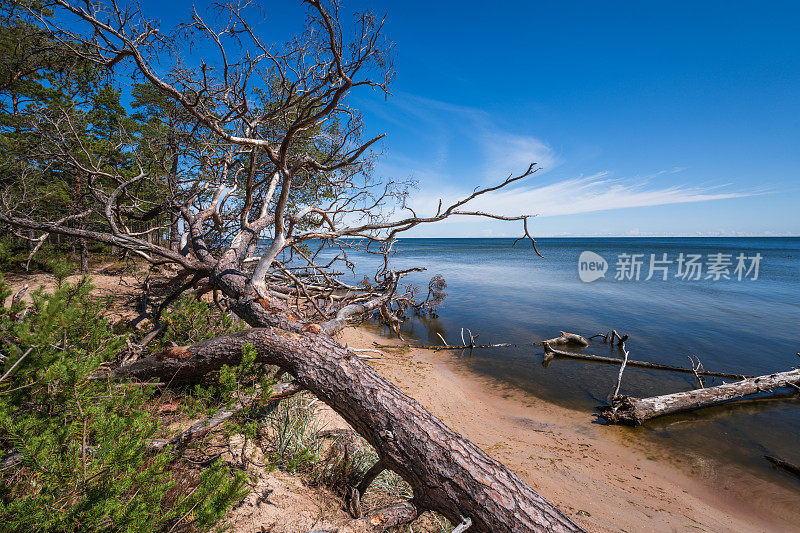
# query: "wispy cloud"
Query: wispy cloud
586,195
450,135
451,149
514,153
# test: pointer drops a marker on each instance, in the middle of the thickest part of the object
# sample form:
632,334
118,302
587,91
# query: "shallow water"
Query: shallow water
749,326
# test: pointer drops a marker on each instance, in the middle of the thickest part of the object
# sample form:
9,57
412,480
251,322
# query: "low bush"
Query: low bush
75,448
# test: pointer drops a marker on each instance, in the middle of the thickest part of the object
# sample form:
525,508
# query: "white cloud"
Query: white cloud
505,150
445,129
580,195
451,149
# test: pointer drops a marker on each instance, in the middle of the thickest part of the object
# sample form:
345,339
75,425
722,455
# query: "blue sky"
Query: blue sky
668,118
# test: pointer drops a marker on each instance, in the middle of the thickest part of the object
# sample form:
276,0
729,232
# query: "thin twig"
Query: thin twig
695,368
16,363
621,370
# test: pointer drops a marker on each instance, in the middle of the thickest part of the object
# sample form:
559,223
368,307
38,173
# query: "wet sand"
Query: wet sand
600,475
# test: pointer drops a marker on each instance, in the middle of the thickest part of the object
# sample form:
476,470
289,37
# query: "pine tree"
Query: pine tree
76,448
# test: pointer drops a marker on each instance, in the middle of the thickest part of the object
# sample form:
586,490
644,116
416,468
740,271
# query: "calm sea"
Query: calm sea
749,326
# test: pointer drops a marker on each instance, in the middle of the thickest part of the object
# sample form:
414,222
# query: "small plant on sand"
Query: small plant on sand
61,268
291,430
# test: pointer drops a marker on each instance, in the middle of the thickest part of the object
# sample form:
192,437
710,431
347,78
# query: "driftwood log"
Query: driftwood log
634,411
567,338
551,353
447,472
780,464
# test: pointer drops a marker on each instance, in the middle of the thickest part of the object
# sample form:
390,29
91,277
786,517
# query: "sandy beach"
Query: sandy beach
596,473
600,475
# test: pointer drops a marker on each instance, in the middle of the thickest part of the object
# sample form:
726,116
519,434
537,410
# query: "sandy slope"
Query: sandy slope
583,467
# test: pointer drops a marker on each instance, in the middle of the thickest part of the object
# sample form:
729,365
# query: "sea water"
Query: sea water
739,312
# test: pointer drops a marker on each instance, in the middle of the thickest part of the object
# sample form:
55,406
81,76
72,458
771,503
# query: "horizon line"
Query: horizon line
610,237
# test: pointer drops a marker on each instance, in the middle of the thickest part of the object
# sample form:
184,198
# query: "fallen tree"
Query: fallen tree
447,472
565,338
254,148
635,411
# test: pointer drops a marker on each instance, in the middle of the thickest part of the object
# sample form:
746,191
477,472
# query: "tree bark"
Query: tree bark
448,473
84,256
380,520
634,411
256,311
393,516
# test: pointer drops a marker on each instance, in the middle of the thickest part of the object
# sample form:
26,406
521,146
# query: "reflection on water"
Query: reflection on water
508,294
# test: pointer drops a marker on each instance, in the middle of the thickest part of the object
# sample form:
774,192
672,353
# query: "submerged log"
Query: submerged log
552,353
448,473
634,411
789,468
437,347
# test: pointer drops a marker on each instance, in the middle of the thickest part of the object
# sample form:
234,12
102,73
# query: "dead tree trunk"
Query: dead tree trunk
634,411
448,473
84,250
